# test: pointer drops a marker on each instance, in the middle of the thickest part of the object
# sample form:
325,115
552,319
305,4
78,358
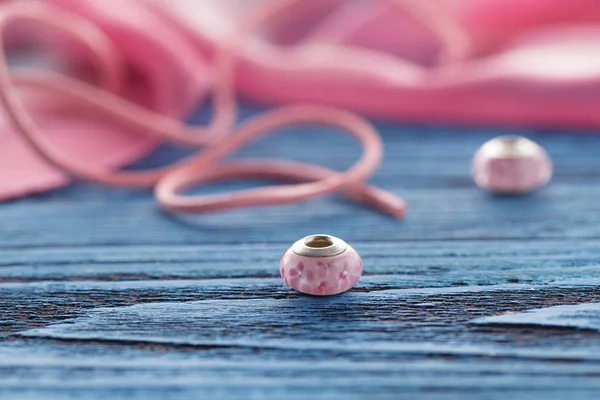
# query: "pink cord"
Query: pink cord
219,136
194,170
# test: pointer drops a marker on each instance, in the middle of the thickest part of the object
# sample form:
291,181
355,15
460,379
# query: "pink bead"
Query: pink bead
511,165
321,265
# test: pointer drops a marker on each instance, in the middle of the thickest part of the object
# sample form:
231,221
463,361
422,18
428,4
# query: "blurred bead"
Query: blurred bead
321,265
511,165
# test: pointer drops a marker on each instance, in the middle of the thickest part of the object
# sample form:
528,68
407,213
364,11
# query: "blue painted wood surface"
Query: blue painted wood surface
104,297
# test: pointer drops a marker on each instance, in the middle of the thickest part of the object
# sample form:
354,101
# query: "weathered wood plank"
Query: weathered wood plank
427,263
59,370
276,347
338,323
582,316
250,380
39,303
465,214
428,166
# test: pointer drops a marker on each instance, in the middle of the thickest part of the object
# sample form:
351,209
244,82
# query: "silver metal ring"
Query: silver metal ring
319,246
510,146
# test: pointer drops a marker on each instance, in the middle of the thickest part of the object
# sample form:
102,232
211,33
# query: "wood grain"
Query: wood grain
582,316
104,297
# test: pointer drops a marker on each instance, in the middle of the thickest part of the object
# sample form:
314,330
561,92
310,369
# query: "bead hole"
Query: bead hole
511,139
318,242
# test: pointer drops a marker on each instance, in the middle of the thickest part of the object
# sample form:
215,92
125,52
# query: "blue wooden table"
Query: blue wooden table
104,297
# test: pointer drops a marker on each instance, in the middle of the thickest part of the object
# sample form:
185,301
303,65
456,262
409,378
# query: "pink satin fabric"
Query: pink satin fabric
516,62
531,62
173,86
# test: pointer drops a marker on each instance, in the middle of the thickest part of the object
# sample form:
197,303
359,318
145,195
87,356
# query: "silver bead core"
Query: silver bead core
319,246
510,146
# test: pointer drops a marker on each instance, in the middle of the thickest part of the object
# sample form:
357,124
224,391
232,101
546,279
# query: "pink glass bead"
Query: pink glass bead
511,165
321,265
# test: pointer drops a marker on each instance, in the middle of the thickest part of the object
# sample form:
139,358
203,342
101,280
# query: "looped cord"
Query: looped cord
305,181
